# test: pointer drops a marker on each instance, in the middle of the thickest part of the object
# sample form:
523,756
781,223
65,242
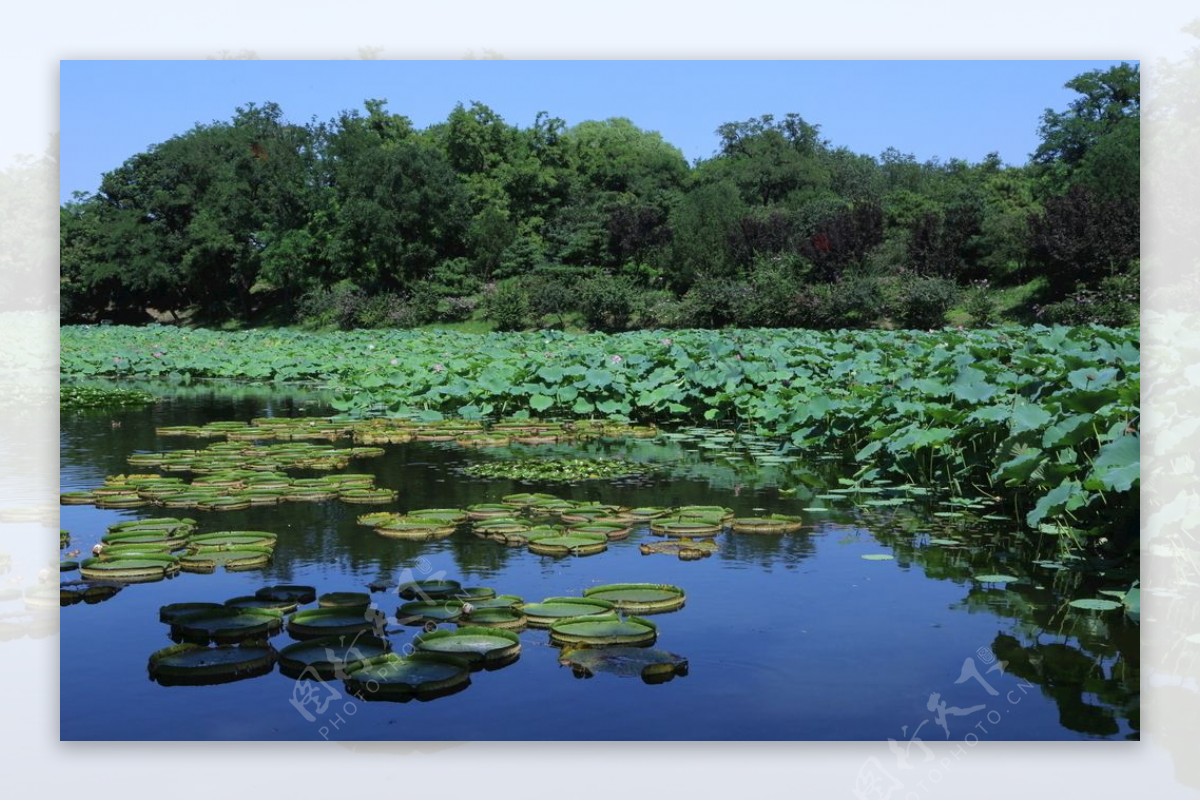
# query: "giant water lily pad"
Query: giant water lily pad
331,621
206,560
344,599
641,598
194,664
72,592
418,613
130,569
173,612
551,609
227,625
498,602
420,675
283,606
675,526
430,589
232,539
686,550
495,617
652,665
331,656
1096,604
771,524
566,544
995,578
609,629
487,647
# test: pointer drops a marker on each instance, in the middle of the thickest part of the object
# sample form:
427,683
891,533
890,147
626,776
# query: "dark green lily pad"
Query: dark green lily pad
357,599
232,539
132,569
206,560
418,613
173,612
640,598
430,589
193,664
226,625
331,656
877,557
567,544
254,602
331,621
995,578
496,617
420,675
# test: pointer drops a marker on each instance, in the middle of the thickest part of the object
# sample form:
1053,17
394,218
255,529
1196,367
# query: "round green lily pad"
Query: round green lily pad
877,557
132,569
608,629
686,527
254,602
474,595
995,578
772,524
430,589
172,612
487,647
567,544
498,602
418,613
331,656
92,592
226,625
496,617
652,665
206,560
1096,604
194,664
420,675
641,598
686,550
67,565
232,539
415,529
344,599
541,615
367,495
330,621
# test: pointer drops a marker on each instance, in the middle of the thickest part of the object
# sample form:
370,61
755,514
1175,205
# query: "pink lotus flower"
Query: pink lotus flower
616,359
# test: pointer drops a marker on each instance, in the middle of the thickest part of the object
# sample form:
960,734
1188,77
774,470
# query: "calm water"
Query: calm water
792,637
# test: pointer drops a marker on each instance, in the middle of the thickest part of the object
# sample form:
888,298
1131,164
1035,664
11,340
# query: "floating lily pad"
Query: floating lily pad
367,495
641,598
226,625
1097,604
206,560
418,613
687,550
541,615
429,589
498,602
331,621
232,539
943,541
132,569
67,565
194,664
92,592
330,599
495,617
877,557
173,612
772,524
608,629
564,544
995,578
652,665
420,675
488,647
331,656
610,531
686,527
254,602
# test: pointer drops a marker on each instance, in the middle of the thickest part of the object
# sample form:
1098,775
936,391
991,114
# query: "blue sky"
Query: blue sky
945,109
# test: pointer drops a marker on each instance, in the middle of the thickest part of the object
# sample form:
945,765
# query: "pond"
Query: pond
887,615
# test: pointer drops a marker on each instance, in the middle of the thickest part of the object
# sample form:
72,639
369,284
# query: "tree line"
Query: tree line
365,220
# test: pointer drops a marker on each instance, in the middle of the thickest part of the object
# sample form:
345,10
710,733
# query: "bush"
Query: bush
606,303
1114,302
980,304
923,302
507,305
771,297
656,309
854,302
711,303
338,305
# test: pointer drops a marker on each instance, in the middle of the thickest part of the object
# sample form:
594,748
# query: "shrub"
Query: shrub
606,303
923,302
981,304
338,305
1112,302
507,305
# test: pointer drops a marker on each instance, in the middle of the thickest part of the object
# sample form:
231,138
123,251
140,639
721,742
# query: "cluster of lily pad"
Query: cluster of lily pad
399,430
228,490
556,470
553,526
345,636
72,397
158,548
